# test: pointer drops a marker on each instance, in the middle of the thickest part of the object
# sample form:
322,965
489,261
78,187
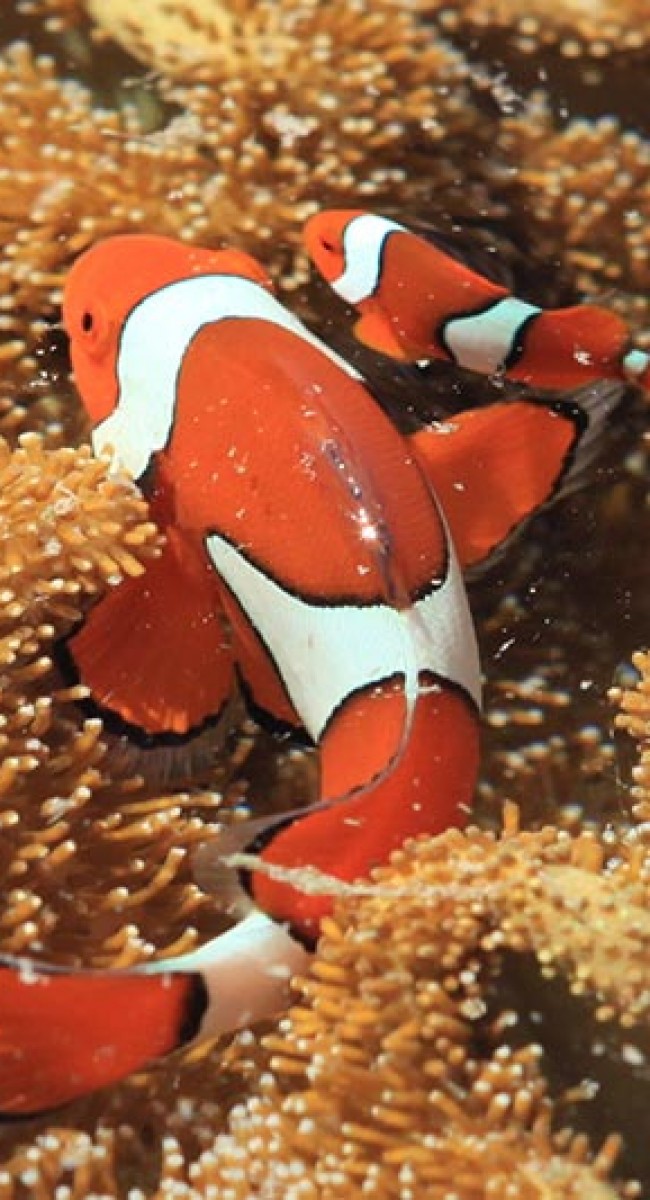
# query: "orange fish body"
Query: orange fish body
335,573
416,303
306,553
314,554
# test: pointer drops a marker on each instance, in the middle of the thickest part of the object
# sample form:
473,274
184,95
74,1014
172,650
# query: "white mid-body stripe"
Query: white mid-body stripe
155,339
363,243
483,341
325,652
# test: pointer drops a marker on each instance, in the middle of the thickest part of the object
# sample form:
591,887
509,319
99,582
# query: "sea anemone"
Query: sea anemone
411,1061
403,1067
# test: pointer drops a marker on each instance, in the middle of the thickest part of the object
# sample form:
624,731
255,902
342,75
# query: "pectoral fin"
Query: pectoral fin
374,330
492,468
155,650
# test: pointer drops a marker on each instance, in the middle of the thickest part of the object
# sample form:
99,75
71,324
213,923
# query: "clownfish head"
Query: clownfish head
347,247
324,237
109,281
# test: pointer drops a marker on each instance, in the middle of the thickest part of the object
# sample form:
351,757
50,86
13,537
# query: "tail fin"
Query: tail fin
591,408
64,1033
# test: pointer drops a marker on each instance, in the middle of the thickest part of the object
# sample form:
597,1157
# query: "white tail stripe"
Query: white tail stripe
484,341
636,363
324,653
363,243
246,970
155,338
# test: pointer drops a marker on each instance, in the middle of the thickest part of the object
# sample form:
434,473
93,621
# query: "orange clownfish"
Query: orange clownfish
418,303
307,556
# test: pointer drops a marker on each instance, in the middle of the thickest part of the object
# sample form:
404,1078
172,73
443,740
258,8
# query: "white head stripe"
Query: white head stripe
323,653
363,243
483,341
635,363
155,338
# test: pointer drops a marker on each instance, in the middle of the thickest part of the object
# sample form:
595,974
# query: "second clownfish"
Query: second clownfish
313,554
416,302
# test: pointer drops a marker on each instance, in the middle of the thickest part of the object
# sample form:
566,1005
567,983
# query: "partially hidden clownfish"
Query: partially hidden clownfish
417,303
314,554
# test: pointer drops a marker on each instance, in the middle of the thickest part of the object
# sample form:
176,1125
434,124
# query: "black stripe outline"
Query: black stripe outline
140,304
195,1007
339,599
421,594
197,1003
518,341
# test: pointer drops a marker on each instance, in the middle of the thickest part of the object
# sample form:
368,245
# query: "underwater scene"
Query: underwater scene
324,621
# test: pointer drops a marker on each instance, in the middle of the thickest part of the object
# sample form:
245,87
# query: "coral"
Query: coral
400,1066
58,15
71,173
578,145
396,1072
94,857
320,121
549,642
259,130
274,111
404,1033
178,38
69,530
575,28
280,111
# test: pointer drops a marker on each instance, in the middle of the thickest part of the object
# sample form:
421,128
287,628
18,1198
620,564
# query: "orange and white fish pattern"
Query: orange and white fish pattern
313,555
416,303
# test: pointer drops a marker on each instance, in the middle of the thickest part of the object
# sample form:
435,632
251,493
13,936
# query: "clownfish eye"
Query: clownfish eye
92,328
328,244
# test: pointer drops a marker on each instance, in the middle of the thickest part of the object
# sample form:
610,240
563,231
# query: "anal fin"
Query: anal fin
155,650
